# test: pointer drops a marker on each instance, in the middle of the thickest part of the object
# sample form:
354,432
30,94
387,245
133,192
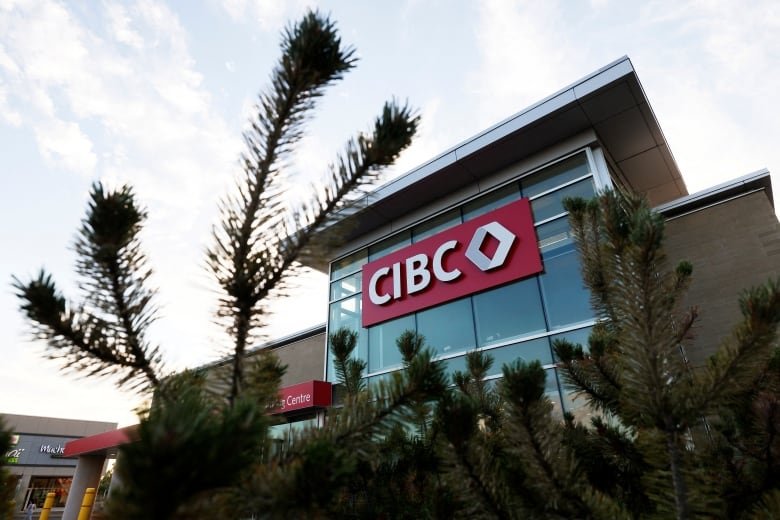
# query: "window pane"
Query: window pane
298,424
508,312
579,336
348,265
490,201
382,350
435,225
552,203
346,286
389,245
452,365
387,377
553,393
534,350
565,298
554,236
346,313
555,175
448,328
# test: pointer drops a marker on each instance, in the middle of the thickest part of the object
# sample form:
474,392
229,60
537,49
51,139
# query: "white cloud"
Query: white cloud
64,142
269,15
123,101
524,51
120,24
713,85
9,115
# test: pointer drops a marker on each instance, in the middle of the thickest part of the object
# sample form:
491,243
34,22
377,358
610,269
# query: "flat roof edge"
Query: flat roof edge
498,131
759,179
270,345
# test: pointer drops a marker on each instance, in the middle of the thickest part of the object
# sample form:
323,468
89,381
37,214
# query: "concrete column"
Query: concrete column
116,480
87,475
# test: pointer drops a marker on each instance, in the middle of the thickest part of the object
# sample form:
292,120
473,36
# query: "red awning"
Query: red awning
101,442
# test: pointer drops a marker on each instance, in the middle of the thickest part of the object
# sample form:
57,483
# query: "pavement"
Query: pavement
55,514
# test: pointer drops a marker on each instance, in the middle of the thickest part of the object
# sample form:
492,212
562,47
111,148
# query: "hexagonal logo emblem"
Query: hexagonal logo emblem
505,240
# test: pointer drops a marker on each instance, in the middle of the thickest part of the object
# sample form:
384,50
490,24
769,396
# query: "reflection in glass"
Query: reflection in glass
346,286
534,350
383,352
346,313
452,365
565,298
559,173
554,235
448,328
348,265
553,393
490,201
389,245
435,225
508,312
552,203
576,337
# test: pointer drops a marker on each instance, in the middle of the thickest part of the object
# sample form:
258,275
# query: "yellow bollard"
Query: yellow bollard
86,504
47,505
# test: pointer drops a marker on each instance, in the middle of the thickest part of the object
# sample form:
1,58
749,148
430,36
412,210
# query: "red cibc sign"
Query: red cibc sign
488,251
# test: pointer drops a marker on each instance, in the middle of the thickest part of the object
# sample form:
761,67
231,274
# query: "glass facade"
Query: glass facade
517,320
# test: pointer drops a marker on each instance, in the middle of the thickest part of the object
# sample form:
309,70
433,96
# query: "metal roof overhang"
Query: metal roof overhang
105,443
610,102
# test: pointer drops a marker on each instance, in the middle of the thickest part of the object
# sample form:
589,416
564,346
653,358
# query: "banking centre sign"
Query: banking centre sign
488,251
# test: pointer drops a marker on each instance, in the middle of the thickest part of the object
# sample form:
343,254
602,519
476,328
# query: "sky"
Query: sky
157,94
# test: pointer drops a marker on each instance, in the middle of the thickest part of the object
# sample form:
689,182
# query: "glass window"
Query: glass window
559,173
565,298
577,337
452,365
553,236
553,393
448,328
552,204
382,349
389,245
490,201
346,313
508,312
534,350
346,286
435,225
348,265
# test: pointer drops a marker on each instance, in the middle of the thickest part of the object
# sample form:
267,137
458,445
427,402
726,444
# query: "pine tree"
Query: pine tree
671,441
360,463
195,446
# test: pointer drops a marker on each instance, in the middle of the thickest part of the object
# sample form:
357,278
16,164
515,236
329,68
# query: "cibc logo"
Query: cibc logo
490,250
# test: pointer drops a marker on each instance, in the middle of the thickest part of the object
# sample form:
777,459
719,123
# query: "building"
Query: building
37,459
473,249
417,251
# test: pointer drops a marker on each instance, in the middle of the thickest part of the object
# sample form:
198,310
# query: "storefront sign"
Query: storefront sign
304,395
58,449
12,457
38,450
488,251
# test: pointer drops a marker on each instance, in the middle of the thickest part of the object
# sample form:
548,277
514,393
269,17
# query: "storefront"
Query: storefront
37,458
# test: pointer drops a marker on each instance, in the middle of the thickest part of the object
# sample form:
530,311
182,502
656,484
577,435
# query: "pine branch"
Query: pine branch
107,332
735,365
260,240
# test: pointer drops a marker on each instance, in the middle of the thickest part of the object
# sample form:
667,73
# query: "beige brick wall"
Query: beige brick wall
732,246
305,360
